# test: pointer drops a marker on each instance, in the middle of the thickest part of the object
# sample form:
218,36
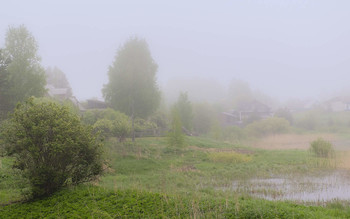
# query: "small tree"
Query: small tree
184,108
121,127
50,145
175,136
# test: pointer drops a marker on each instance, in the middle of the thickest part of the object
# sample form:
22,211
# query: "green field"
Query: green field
149,179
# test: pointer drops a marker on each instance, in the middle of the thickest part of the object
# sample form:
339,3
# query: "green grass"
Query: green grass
95,202
152,166
11,183
148,179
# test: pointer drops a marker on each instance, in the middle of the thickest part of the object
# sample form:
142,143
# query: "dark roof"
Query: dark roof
95,104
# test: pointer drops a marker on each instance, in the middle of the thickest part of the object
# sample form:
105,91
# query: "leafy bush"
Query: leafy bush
122,127
90,117
109,123
51,147
286,114
269,126
229,157
141,125
322,148
308,121
104,127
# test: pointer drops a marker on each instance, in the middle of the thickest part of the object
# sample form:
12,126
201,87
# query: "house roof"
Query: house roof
52,91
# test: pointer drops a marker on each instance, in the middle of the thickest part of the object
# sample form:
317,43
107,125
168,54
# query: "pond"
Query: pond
326,187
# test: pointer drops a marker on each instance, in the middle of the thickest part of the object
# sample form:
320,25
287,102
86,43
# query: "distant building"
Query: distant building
337,104
63,94
95,104
58,93
245,112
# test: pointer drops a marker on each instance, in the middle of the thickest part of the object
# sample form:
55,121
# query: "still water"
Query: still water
326,187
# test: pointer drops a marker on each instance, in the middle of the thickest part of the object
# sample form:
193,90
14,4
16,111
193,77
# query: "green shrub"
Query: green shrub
109,123
175,136
141,125
322,148
104,127
121,126
308,121
51,147
286,114
269,126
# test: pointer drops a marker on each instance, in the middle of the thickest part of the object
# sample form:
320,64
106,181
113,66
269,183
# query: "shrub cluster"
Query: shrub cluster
322,148
269,126
109,123
51,147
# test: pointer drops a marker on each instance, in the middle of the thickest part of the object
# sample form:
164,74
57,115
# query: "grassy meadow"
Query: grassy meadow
149,179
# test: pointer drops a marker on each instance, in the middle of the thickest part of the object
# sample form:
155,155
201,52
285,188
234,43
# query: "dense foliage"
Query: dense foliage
132,87
51,147
21,74
109,123
269,126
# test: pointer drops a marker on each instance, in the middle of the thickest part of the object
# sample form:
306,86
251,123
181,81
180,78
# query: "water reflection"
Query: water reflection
332,186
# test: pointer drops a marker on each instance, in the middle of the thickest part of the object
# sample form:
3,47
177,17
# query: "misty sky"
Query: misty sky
284,48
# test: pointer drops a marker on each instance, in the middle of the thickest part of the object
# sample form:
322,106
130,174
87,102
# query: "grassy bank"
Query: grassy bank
202,167
95,202
151,180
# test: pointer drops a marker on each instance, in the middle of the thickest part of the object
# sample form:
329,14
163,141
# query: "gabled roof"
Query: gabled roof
52,91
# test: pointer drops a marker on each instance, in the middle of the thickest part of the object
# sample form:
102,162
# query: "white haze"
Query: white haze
284,48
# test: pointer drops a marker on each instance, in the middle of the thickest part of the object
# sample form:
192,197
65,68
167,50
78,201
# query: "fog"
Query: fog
283,48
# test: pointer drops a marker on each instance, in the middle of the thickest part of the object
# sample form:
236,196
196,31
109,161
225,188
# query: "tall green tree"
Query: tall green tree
23,75
4,85
132,87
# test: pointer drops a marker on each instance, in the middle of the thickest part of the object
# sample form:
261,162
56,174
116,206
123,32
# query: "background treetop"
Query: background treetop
132,86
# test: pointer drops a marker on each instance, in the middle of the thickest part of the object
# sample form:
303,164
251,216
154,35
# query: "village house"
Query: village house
244,112
337,104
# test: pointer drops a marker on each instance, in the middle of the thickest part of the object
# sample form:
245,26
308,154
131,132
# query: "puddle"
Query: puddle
333,186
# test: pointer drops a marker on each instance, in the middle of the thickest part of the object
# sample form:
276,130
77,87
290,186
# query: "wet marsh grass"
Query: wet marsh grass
188,177
199,168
